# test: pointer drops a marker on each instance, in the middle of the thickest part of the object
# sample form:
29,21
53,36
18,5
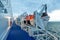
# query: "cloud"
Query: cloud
54,15
20,6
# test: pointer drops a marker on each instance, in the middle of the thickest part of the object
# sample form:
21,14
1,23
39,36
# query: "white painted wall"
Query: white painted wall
3,24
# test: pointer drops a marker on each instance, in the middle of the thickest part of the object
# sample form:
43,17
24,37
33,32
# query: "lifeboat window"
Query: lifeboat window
28,22
24,22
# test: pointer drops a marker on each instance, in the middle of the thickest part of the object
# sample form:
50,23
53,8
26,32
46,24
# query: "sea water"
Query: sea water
54,28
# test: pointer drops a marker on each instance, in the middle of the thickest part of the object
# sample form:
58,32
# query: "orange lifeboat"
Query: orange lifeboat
29,17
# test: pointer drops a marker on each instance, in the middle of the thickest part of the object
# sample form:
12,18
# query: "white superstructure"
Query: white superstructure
36,26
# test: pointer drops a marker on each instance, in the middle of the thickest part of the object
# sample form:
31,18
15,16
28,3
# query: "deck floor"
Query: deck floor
16,33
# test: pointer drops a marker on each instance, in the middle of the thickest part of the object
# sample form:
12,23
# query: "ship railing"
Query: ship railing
31,30
5,34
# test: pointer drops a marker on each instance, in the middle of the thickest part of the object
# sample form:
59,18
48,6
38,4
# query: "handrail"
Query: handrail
52,35
47,32
4,34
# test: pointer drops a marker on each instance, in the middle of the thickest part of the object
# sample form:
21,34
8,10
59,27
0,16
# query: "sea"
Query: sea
54,28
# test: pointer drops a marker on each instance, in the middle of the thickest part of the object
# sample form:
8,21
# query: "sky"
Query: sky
54,15
29,6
